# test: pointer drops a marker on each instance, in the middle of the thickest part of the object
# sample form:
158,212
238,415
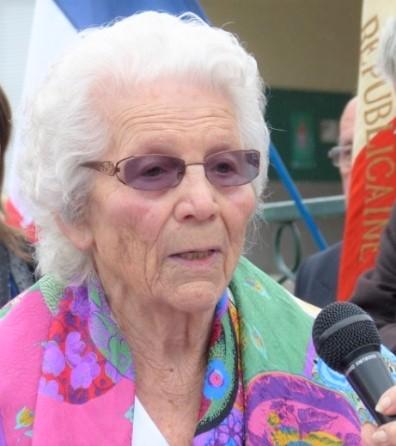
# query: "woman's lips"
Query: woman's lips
196,256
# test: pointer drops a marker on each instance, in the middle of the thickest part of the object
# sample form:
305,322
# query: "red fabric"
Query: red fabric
371,197
14,219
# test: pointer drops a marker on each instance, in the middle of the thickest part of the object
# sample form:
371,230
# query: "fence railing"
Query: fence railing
284,214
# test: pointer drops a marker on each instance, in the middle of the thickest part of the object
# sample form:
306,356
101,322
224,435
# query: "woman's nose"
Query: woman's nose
197,196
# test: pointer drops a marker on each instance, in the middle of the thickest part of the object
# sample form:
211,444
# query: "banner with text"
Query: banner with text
373,182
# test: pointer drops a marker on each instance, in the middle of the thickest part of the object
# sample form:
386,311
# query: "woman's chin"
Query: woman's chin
195,297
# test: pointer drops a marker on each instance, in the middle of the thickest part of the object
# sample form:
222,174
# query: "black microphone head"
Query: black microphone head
341,332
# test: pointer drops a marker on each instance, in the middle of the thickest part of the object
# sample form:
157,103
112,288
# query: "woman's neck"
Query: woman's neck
162,332
162,335
153,328
170,357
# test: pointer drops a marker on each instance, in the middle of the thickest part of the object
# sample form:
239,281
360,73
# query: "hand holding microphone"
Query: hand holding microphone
347,340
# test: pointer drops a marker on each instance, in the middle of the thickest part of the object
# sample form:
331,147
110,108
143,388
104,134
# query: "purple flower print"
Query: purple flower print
80,306
230,431
84,367
85,372
79,396
50,388
112,372
74,348
54,360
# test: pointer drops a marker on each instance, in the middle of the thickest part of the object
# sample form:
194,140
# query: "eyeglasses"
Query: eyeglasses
341,155
159,172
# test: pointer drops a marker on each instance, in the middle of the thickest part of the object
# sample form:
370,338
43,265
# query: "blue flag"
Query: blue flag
87,13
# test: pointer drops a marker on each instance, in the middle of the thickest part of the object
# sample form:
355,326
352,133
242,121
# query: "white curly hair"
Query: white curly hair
387,50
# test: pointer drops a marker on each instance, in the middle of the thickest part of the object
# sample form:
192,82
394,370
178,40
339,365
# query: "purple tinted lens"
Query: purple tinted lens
232,168
152,172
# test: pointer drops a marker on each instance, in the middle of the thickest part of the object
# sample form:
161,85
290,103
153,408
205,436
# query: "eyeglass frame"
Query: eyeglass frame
112,169
336,153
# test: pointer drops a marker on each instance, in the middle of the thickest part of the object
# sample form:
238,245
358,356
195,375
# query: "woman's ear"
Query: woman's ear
78,233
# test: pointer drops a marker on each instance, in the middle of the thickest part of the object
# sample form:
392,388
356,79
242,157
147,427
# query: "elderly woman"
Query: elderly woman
147,156
16,269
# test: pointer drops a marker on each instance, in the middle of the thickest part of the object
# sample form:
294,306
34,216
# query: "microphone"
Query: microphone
347,340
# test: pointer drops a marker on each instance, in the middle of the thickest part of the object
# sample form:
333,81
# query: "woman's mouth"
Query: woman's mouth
196,256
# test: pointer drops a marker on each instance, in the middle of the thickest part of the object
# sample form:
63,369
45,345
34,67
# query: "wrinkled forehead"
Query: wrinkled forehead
165,105
108,92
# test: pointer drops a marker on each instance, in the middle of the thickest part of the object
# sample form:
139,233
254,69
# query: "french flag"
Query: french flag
56,24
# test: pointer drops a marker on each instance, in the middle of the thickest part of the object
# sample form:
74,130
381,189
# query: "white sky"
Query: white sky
15,26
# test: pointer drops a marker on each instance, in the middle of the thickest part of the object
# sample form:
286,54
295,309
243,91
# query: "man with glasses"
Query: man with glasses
341,155
317,277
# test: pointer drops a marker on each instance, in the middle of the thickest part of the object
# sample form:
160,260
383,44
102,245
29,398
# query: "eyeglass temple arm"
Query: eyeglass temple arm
106,167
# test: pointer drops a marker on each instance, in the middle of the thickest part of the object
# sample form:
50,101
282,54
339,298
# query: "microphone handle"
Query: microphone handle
370,378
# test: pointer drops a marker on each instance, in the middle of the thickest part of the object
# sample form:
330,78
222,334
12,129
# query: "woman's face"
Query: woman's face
177,247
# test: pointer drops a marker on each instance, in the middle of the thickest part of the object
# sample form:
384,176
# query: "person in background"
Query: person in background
16,268
317,276
147,155
375,290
